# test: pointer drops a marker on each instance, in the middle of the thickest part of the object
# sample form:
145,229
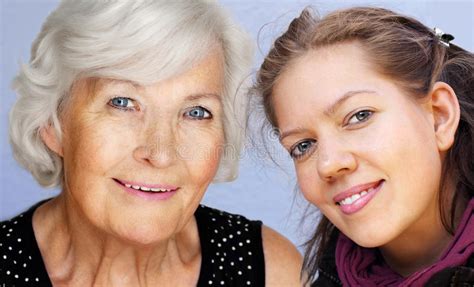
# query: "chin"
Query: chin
143,235
367,243
371,240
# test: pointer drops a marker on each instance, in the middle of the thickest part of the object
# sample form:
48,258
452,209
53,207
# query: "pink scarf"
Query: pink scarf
358,266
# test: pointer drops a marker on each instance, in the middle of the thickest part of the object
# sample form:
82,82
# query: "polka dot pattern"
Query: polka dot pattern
232,252
232,249
20,260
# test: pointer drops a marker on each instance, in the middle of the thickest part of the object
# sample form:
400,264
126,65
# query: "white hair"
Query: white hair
142,41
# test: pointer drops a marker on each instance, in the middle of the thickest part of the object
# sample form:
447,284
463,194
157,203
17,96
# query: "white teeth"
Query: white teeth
354,197
137,187
347,201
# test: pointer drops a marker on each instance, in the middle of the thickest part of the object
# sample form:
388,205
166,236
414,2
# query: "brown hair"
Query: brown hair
408,52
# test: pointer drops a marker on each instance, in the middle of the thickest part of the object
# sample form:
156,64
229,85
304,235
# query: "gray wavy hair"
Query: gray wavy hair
143,41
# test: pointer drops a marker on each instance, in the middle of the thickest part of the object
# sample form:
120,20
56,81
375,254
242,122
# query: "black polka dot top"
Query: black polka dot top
231,246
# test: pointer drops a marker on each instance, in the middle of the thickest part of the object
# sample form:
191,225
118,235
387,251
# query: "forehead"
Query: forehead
317,78
325,66
209,71
206,75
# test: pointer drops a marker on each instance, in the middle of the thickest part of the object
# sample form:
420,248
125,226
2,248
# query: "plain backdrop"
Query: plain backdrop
263,190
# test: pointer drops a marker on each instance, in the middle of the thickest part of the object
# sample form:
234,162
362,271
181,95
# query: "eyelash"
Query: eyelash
207,114
127,109
354,116
204,110
294,148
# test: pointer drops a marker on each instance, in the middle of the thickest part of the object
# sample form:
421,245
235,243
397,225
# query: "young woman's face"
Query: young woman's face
365,152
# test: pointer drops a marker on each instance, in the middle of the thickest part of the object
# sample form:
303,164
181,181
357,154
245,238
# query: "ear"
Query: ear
50,139
446,114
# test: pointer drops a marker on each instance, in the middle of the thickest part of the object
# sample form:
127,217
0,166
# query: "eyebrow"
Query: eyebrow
122,82
291,132
347,95
329,110
194,97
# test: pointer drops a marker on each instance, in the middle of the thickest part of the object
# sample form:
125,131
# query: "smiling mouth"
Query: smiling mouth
356,196
349,200
147,189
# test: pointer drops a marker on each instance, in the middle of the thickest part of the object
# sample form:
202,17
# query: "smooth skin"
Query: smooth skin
345,125
169,133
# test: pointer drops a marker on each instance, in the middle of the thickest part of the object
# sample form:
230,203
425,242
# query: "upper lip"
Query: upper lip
147,185
355,190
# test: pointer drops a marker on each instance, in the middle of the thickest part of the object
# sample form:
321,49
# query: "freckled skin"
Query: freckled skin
169,133
397,144
154,144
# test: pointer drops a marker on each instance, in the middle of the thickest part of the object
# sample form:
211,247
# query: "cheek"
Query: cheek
407,157
308,182
410,148
96,146
200,151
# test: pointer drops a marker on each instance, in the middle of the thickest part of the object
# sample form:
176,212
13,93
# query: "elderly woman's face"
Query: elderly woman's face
138,159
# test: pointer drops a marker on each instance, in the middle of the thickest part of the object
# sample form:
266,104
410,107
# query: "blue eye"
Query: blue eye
198,113
360,116
122,103
301,148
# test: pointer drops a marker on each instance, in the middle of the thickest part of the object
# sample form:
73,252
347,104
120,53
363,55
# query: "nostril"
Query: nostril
338,164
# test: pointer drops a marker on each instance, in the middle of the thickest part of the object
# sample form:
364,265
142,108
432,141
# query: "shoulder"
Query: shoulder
453,276
283,262
226,221
265,255
231,248
12,234
21,262
14,250
228,230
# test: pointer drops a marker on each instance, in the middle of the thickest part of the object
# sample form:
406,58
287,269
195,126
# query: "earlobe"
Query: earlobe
446,113
50,139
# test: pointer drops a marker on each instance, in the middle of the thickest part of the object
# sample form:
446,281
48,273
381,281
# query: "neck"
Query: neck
412,252
76,253
420,246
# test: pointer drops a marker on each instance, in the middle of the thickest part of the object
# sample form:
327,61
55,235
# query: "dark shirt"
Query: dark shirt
231,247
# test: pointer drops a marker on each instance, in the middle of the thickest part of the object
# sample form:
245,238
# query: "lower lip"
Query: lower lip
361,202
148,195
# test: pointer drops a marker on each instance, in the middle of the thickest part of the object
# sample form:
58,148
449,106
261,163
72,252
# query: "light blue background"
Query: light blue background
263,190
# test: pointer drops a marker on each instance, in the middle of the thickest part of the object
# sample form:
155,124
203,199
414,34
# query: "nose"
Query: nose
157,146
335,159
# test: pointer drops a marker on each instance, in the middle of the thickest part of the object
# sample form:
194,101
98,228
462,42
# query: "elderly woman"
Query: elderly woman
127,105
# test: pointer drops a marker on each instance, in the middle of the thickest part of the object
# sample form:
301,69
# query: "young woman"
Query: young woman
377,112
